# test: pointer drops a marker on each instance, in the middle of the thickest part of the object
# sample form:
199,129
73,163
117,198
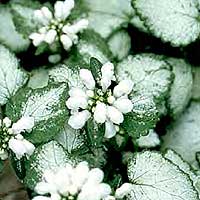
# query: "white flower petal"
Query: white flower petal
66,41
47,13
39,16
115,115
50,36
123,190
67,7
69,31
48,176
87,78
58,9
30,148
41,198
124,105
77,27
17,147
56,196
95,176
104,189
62,180
77,92
81,174
7,122
37,38
44,188
123,88
23,124
78,120
75,103
109,197
100,113
107,72
63,9
110,130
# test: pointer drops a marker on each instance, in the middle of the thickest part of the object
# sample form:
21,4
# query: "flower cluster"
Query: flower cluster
10,137
97,99
73,183
54,26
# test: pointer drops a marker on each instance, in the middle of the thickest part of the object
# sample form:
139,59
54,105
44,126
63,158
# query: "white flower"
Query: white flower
124,190
88,79
79,181
78,120
13,140
23,124
54,26
104,105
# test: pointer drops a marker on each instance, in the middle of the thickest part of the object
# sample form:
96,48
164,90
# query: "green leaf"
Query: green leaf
66,74
23,17
120,44
183,135
95,67
183,165
42,48
11,76
143,117
91,44
196,83
8,34
150,74
107,16
149,141
38,78
96,158
71,139
50,156
1,166
95,133
156,178
46,105
18,165
181,89
176,22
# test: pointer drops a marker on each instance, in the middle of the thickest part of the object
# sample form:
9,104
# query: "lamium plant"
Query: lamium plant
99,100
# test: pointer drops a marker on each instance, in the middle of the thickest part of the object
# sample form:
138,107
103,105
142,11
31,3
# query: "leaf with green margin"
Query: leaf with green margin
49,156
176,159
176,22
23,17
155,177
38,78
151,140
67,74
8,34
183,135
71,139
150,74
106,17
91,44
196,83
95,67
11,76
143,117
120,44
181,89
46,105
